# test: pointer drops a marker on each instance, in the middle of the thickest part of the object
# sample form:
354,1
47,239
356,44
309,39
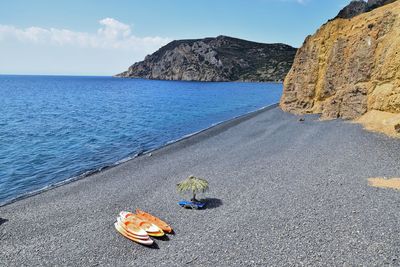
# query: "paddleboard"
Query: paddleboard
147,242
132,229
150,228
153,219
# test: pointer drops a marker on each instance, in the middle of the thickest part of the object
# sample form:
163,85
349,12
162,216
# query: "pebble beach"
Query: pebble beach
282,192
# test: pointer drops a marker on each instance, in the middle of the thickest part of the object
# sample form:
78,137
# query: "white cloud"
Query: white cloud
108,50
113,29
302,2
112,34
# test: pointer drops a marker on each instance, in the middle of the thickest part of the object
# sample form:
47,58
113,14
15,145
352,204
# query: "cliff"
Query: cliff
215,59
357,7
350,67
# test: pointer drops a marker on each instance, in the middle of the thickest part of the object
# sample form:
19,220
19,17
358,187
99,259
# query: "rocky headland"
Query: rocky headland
215,59
350,68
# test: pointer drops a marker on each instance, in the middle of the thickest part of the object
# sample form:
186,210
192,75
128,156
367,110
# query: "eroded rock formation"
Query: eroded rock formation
349,67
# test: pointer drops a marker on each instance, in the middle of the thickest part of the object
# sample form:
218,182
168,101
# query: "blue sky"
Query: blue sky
99,37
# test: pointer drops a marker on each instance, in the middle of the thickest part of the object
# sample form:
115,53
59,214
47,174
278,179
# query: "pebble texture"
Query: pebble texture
348,67
283,193
216,59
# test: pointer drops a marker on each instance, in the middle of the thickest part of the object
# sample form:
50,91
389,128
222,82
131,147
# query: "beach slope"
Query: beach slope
283,192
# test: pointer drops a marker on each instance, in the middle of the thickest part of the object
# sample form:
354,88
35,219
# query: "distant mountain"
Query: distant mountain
216,59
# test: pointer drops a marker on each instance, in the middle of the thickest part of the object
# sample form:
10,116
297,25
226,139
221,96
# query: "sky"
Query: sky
105,37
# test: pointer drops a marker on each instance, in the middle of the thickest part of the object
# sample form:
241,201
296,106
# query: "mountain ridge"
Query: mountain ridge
222,58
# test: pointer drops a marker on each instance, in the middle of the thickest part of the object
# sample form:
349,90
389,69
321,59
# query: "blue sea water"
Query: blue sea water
53,128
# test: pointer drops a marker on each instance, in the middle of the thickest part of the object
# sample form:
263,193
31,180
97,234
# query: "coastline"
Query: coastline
196,81
232,121
282,192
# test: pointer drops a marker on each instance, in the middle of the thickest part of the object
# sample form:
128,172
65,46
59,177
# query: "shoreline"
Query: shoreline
305,183
88,173
194,81
131,78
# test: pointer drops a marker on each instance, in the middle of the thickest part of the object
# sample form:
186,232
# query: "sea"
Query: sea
55,129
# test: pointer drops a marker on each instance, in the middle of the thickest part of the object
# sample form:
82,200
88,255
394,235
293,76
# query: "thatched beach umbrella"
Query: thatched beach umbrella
193,185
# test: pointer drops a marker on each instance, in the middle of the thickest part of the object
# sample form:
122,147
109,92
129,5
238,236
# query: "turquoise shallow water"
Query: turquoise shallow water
54,128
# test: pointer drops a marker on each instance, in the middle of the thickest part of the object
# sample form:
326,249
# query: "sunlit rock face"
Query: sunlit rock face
349,66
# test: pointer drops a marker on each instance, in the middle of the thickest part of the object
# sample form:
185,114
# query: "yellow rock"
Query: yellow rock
393,183
349,67
380,121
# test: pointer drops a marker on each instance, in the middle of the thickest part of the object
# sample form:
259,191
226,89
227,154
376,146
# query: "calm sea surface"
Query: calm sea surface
54,128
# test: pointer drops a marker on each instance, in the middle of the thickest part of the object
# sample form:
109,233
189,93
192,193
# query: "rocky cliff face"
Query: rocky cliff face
357,7
216,59
348,67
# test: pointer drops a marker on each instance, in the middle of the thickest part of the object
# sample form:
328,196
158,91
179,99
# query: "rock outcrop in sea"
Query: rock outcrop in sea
216,59
349,67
